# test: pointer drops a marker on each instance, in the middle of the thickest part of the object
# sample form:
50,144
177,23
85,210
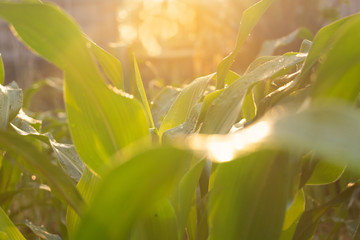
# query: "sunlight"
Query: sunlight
157,21
223,148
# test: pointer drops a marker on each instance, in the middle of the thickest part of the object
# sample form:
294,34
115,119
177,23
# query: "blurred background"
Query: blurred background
173,40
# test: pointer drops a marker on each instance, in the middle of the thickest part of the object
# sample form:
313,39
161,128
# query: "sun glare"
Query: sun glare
223,148
156,22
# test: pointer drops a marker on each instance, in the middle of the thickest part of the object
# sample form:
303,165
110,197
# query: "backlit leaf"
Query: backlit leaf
41,164
248,21
8,229
244,204
183,104
224,111
102,120
130,191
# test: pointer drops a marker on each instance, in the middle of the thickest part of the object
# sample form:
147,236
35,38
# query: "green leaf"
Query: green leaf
321,44
68,159
187,190
132,190
224,111
244,204
325,173
162,103
310,219
87,186
41,232
110,64
159,224
2,72
296,209
339,73
102,120
142,93
10,103
8,229
183,104
269,46
248,21
40,163
186,128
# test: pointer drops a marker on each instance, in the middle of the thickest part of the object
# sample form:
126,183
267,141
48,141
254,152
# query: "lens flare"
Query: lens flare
223,148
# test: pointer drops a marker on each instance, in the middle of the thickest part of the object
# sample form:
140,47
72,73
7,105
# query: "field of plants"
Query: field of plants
271,153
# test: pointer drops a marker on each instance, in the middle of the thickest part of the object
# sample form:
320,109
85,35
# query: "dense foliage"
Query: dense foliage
229,156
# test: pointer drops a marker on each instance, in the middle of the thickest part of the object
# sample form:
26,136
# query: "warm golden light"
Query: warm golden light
223,148
158,21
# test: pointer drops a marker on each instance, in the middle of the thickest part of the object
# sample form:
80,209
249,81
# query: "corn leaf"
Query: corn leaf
294,212
10,103
248,21
41,232
102,121
68,159
225,109
110,64
8,229
140,87
160,223
322,43
331,130
183,104
131,190
40,163
334,80
2,72
162,103
243,199
311,218
187,191
87,186
325,173
269,46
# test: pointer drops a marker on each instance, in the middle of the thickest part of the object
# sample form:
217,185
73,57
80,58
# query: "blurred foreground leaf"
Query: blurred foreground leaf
244,204
8,231
132,190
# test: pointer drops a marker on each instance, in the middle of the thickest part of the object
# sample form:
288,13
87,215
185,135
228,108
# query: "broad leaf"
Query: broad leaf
87,185
322,43
41,231
248,21
2,72
187,190
269,46
310,219
8,230
294,212
183,104
110,64
10,103
68,159
334,80
130,191
325,173
141,90
160,223
224,111
331,130
244,204
162,103
102,120
40,163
